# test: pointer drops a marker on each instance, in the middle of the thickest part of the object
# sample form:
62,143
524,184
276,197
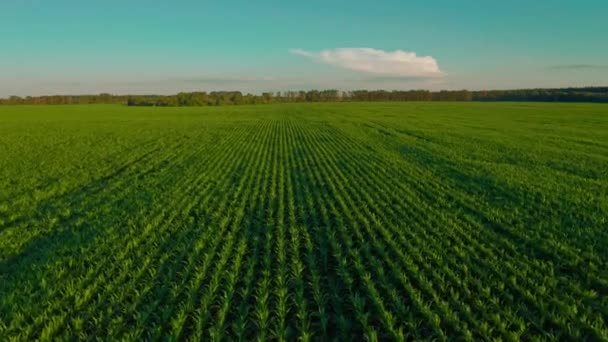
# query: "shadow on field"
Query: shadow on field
54,204
531,222
64,225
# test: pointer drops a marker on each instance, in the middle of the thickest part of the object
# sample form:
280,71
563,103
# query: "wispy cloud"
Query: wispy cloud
579,67
396,63
228,79
300,52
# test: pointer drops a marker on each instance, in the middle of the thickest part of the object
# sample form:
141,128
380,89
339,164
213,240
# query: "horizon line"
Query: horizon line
300,90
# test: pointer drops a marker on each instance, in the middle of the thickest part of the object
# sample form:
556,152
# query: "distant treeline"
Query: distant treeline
589,94
219,98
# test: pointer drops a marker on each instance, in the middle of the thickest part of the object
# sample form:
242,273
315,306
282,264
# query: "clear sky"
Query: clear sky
154,46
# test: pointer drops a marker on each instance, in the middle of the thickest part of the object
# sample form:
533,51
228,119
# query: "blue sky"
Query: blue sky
61,46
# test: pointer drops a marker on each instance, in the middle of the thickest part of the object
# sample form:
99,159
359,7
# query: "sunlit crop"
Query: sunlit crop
348,221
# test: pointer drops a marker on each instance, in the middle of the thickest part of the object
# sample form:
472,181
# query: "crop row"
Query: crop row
303,223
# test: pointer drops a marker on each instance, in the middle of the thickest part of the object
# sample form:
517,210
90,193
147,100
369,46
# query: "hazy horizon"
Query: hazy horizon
280,90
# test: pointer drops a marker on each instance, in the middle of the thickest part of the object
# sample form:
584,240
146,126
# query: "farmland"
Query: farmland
388,221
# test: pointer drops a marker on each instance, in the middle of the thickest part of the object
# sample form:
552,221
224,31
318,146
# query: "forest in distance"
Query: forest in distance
219,98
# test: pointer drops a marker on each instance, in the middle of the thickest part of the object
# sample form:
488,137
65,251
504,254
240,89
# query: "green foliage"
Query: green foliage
221,98
349,221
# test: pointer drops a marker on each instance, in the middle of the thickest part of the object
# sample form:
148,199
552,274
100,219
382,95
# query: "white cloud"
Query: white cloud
396,63
300,52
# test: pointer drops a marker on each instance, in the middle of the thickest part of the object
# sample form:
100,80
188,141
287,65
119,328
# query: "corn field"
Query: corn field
349,221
